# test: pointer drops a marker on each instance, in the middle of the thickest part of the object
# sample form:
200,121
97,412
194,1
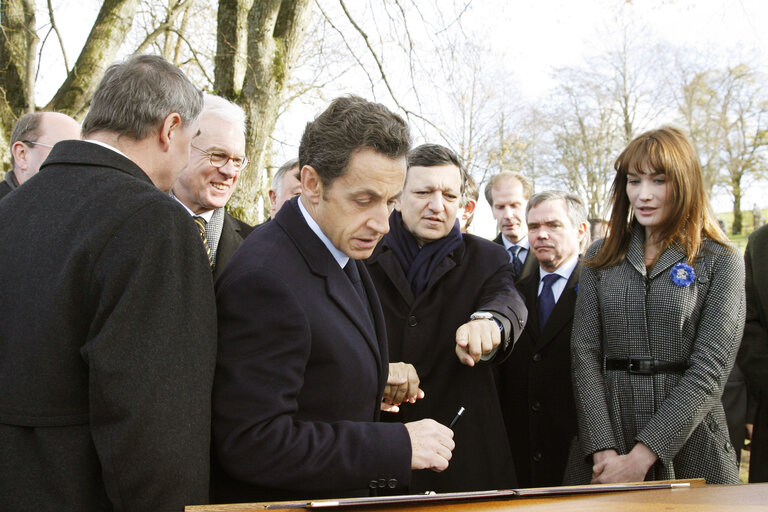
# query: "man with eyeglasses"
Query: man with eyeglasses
216,159
32,138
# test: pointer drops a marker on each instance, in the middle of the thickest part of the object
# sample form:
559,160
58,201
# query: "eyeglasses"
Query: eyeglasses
219,159
30,143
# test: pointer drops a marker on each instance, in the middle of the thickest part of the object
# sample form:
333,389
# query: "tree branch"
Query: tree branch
58,36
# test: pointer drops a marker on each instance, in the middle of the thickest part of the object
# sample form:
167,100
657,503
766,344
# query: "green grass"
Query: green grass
747,225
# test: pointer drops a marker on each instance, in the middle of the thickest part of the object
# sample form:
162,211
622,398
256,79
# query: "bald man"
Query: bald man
32,138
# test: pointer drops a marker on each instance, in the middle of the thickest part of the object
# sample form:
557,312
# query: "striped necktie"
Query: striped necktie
201,227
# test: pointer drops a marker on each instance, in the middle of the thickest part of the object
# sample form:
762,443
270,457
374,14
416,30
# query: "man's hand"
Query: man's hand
431,445
475,339
402,386
613,468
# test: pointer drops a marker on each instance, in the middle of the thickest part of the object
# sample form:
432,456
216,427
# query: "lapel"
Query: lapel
444,267
636,255
530,266
529,287
230,240
389,263
321,263
563,311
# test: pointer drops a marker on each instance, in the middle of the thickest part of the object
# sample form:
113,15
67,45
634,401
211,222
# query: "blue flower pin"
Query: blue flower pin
682,275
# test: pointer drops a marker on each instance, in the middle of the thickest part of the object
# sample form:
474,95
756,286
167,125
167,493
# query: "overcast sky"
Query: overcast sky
529,38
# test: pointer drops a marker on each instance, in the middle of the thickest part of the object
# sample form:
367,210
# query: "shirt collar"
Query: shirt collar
205,215
104,144
565,270
338,255
522,243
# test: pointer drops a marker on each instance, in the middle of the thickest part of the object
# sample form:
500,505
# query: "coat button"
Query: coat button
703,279
713,427
392,483
728,447
520,322
537,457
536,406
536,357
412,321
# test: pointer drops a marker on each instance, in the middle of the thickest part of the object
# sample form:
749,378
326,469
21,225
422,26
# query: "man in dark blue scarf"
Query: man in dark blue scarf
451,310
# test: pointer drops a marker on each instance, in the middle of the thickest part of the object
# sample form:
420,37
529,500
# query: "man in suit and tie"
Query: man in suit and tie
451,309
208,181
109,331
32,137
303,359
535,382
508,193
285,184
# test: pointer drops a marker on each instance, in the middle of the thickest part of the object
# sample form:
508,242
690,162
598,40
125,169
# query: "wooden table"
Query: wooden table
697,498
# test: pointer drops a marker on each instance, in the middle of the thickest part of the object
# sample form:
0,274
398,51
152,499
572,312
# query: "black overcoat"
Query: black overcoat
753,354
300,374
422,331
108,341
536,392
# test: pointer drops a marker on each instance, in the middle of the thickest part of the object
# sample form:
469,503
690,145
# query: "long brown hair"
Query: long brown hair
665,151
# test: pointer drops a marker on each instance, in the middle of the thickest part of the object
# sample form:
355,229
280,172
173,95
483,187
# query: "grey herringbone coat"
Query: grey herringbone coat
623,312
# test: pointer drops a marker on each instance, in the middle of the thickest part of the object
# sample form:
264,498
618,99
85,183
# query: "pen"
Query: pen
456,418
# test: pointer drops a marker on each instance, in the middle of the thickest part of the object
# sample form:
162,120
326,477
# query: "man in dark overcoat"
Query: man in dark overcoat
32,137
535,381
753,353
507,193
451,308
302,362
109,334
208,181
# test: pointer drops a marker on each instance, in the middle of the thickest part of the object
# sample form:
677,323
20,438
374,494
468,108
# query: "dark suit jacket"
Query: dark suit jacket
233,232
108,341
753,354
536,391
422,331
530,265
300,374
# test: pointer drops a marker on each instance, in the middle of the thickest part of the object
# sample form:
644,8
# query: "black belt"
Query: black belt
643,365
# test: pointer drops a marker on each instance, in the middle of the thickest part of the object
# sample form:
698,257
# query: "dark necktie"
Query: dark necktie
517,264
354,276
201,224
546,299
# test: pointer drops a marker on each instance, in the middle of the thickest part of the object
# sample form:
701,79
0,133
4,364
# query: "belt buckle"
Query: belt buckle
641,365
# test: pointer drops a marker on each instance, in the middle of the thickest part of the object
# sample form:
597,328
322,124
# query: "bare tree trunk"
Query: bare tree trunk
107,34
737,218
231,47
18,61
275,32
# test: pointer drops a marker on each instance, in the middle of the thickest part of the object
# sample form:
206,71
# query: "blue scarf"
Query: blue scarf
419,263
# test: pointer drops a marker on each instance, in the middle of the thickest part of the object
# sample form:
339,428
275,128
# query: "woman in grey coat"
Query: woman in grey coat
658,321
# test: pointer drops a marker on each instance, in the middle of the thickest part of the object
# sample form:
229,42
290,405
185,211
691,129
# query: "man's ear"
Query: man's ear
311,184
583,230
171,123
272,199
469,209
19,151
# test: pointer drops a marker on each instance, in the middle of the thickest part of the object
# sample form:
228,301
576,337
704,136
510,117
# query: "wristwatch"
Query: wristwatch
477,315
